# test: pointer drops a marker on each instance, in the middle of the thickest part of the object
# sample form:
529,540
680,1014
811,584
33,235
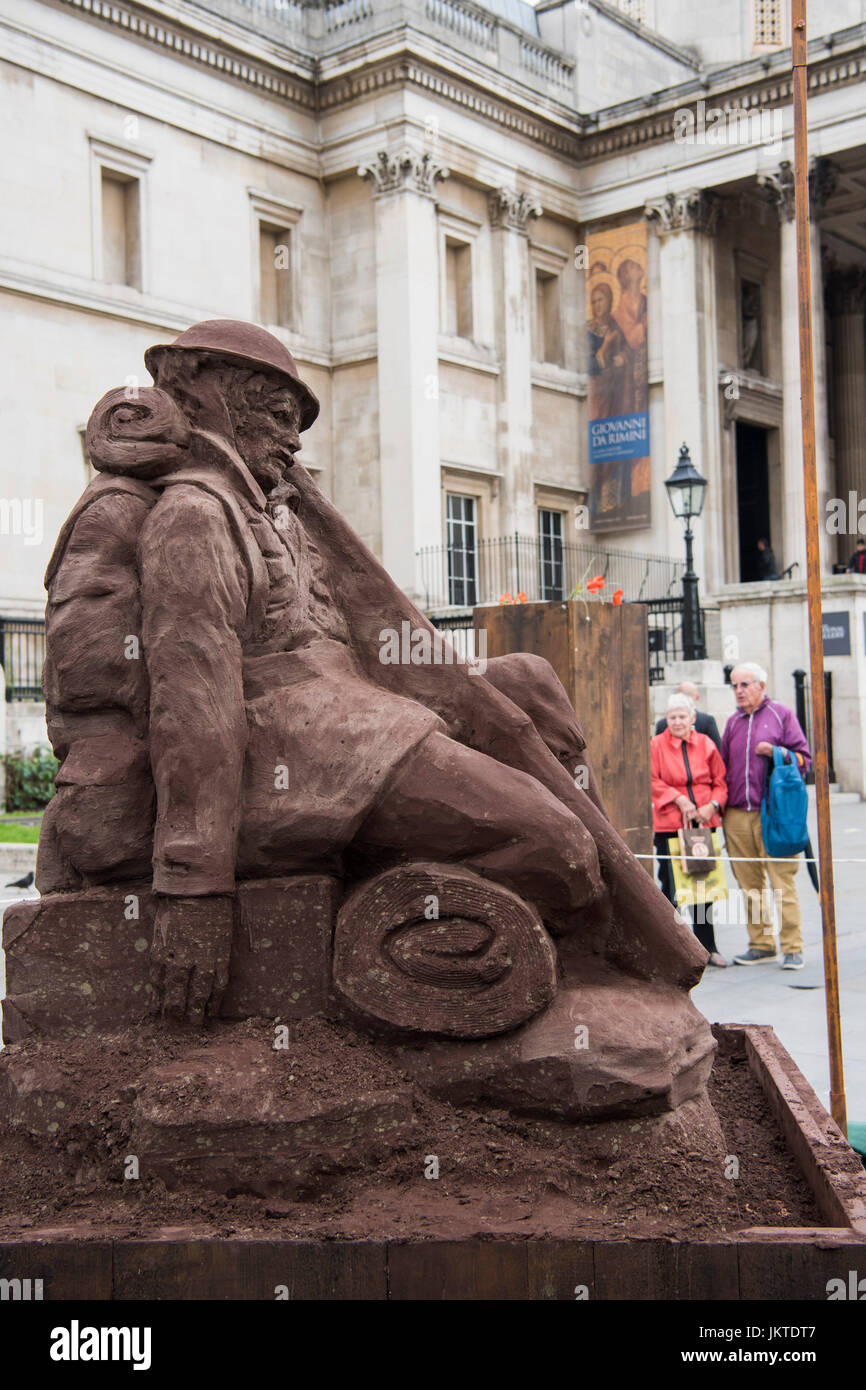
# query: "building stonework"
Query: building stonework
402,190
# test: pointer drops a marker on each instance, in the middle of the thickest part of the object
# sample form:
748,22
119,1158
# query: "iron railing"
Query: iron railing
22,652
664,634
538,569
803,705
459,630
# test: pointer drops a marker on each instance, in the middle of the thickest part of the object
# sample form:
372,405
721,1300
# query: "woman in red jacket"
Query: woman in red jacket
677,754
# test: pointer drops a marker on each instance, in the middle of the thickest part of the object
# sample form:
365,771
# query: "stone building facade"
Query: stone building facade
405,191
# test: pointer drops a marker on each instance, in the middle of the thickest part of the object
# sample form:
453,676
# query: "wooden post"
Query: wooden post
601,655
813,566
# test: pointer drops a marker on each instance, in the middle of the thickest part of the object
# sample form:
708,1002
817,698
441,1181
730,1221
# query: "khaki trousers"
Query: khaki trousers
744,841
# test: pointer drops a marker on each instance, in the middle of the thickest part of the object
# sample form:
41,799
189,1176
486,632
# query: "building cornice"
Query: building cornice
403,56
265,66
759,84
390,60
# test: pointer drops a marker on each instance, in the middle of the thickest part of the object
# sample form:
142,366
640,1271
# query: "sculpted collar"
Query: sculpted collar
212,456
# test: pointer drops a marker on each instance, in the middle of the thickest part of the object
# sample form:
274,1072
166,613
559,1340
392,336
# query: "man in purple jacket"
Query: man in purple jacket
751,733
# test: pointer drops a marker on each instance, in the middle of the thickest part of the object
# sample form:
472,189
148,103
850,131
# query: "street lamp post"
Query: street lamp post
686,491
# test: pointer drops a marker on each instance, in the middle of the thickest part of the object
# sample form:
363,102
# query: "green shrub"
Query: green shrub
30,779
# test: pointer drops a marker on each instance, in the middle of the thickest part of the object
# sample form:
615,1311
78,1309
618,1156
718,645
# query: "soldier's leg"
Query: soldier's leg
450,802
532,684
640,929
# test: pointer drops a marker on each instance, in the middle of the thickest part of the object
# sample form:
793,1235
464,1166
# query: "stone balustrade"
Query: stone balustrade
345,14
460,23
546,63
288,12
466,21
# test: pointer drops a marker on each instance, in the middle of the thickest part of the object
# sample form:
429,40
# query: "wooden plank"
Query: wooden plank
599,653
69,1269
797,1269
638,832
666,1269
597,698
216,1269
560,1270
630,1269
465,1270
764,1264
829,1165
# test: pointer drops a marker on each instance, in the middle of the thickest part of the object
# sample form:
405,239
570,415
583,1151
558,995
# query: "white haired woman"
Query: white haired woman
688,788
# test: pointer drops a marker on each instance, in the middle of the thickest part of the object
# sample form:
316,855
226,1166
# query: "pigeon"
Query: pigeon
21,882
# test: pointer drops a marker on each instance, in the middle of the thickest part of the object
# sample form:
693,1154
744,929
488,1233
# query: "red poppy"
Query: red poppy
617,596
521,597
595,584
505,598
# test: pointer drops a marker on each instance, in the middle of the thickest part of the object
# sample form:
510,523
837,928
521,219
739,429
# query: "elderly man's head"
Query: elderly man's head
689,689
680,715
748,682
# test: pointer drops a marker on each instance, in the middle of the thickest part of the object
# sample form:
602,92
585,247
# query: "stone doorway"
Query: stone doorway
753,498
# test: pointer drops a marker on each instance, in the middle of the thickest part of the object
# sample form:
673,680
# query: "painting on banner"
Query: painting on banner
618,378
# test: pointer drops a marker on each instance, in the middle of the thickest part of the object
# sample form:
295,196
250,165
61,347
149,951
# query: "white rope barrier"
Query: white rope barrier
768,859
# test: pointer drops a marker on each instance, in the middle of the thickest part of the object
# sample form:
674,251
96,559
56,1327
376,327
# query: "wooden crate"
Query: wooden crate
601,655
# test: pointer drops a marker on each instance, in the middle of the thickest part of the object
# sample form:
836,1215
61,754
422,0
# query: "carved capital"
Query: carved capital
404,172
779,187
845,290
696,210
512,210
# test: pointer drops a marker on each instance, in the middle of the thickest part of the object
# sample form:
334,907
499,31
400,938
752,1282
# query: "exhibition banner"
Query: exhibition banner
618,375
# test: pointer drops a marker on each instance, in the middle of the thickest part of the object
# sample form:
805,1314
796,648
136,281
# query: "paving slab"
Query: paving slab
793,1002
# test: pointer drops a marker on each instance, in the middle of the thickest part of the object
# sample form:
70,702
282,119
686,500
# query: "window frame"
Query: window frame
461,230
466,579
129,163
557,592
550,262
274,214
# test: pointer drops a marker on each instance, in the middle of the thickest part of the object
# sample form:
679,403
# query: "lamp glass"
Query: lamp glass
686,489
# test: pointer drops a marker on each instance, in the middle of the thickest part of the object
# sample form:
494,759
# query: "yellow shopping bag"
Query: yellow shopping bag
708,888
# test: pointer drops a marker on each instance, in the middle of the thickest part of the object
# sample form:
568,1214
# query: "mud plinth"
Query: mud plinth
155,1164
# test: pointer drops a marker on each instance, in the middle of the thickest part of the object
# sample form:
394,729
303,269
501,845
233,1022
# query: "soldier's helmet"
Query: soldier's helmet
243,343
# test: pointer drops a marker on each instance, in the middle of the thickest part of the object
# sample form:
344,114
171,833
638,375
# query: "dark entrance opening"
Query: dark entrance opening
753,498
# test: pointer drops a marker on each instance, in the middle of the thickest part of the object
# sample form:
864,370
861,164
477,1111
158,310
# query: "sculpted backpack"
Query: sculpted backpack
784,807
95,675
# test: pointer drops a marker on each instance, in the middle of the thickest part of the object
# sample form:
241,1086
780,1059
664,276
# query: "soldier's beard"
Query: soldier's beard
268,465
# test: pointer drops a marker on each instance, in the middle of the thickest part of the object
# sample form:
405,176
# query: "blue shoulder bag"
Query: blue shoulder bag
784,807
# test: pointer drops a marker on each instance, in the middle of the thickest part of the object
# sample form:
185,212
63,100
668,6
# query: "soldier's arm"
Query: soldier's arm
194,592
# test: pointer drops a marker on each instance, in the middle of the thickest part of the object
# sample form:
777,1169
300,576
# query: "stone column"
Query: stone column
779,186
685,224
846,301
510,215
407,320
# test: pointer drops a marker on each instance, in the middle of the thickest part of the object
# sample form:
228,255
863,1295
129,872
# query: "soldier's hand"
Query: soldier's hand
192,941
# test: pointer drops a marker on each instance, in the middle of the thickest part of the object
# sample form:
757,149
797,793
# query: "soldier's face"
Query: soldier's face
267,432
